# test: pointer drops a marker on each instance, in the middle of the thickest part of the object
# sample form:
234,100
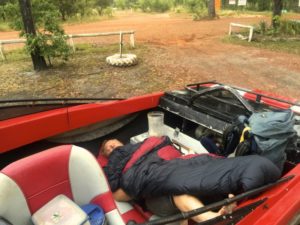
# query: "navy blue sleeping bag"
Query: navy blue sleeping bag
146,170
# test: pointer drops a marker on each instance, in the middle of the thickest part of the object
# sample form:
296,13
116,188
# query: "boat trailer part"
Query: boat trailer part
258,95
243,102
213,206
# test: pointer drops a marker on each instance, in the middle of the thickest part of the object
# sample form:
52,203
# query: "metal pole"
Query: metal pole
121,44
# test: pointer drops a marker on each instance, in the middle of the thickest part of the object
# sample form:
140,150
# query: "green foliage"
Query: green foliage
103,3
263,26
50,37
259,5
283,27
179,9
4,27
195,6
108,12
198,8
126,4
121,4
154,5
13,14
289,27
290,46
2,13
50,45
66,8
276,23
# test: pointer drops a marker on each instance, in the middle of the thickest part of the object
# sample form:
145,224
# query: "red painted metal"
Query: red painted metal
282,205
23,130
271,102
26,129
88,114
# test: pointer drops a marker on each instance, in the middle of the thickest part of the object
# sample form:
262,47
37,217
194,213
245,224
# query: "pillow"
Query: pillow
60,211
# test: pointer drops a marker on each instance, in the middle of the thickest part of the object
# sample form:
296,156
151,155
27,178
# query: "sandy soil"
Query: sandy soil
183,51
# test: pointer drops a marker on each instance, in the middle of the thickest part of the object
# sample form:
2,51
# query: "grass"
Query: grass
233,13
86,19
20,54
289,46
4,27
16,55
85,74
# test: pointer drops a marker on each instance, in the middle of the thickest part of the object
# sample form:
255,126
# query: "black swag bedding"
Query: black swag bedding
145,170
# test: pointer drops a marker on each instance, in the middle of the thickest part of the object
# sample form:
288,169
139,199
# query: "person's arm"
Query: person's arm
187,203
121,196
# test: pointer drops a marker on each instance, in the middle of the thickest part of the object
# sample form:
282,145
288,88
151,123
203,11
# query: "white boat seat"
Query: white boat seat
28,184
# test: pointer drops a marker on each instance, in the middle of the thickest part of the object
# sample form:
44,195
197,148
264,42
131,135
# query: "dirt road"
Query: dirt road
184,51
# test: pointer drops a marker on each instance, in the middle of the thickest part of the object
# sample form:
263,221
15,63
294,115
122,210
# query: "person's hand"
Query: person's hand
228,209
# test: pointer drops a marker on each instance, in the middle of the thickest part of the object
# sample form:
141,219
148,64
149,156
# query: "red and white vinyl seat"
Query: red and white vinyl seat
28,184
126,209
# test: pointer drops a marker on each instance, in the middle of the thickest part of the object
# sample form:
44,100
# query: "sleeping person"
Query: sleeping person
169,182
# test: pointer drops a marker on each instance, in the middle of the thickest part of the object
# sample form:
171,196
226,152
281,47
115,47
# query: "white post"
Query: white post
132,40
1,51
121,44
250,34
229,29
72,42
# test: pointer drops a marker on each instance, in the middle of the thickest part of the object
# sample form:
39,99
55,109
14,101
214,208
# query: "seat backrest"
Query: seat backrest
28,184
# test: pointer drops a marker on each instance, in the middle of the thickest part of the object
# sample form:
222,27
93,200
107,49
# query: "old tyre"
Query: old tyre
126,60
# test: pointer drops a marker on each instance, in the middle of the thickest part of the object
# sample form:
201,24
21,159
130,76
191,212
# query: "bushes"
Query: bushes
289,27
283,28
196,7
154,5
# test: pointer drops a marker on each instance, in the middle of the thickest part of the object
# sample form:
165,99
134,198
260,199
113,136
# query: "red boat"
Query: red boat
61,139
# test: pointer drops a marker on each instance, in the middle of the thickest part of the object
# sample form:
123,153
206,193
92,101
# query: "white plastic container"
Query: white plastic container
60,211
155,123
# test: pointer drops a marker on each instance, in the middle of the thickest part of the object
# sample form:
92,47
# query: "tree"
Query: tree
277,8
68,8
38,60
44,35
50,37
211,9
106,3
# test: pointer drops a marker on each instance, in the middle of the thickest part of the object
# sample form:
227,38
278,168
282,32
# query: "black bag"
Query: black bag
231,136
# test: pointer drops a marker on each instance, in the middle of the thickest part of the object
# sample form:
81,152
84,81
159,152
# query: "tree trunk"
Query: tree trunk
39,62
211,9
277,8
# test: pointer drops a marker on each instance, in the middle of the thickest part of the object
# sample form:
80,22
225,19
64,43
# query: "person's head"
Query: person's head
109,146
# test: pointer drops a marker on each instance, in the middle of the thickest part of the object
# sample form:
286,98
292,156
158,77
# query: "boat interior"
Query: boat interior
198,110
